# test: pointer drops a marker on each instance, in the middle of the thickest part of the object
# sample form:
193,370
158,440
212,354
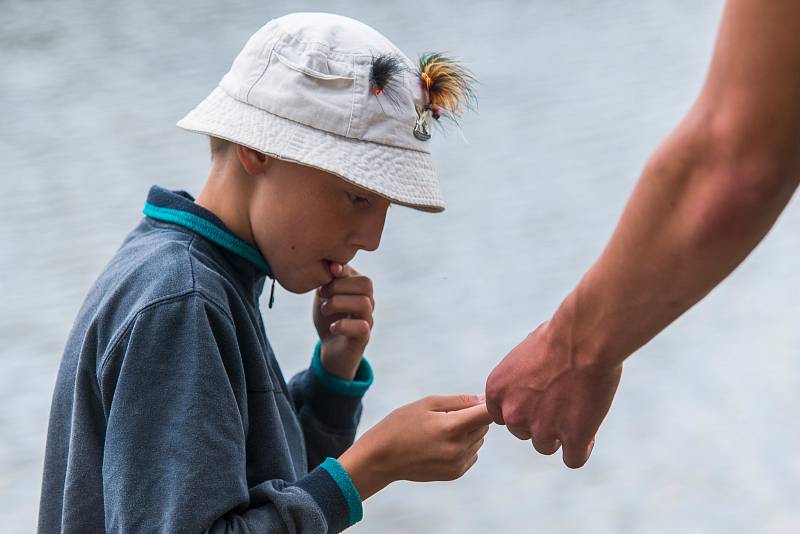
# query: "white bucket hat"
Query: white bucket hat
302,89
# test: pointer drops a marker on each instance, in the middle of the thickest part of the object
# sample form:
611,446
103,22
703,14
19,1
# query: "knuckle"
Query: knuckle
494,390
450,428
542,431
467,399
466,467
426,403
451,474
367,285
363,327
456,468
453,430
514,415
468,462
452,453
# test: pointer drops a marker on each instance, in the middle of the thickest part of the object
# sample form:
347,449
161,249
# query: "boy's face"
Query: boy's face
303,219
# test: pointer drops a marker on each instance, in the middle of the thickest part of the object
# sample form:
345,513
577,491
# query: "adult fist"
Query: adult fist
540,393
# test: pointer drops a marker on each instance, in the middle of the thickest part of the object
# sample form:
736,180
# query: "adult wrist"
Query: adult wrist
577,330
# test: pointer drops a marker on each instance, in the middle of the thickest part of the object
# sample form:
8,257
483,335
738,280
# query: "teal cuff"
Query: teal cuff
345,483
355,388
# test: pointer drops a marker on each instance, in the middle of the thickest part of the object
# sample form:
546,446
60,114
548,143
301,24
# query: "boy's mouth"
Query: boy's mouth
326,266
340,262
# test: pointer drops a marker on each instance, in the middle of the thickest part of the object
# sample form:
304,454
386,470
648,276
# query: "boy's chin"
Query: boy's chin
295,287
300,285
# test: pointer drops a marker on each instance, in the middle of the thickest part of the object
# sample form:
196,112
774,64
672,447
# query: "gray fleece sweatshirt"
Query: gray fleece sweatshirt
170,412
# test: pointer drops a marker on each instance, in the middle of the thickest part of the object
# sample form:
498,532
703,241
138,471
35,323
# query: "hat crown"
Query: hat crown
336,32
315,69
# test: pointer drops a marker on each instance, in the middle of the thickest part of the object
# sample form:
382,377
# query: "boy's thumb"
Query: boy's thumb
453,403
472,417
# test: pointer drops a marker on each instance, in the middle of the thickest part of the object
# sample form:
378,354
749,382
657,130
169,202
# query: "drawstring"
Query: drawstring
272,294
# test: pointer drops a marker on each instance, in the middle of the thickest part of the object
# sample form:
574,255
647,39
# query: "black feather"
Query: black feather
385,77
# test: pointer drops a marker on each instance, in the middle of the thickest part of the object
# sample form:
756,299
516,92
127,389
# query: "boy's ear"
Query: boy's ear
253,161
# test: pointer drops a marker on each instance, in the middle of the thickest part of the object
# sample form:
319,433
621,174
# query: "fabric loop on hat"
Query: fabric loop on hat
310,72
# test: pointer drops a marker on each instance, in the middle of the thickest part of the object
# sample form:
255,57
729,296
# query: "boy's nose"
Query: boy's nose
368,240
368,235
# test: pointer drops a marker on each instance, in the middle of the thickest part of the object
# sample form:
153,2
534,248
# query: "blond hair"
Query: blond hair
218,146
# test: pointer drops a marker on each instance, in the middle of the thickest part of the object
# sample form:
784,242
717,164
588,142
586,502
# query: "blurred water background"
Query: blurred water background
575,94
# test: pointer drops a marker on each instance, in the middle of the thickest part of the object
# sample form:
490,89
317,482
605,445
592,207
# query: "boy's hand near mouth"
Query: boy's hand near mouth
343,319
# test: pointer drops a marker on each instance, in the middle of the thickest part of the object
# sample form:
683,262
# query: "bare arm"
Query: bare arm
706,198
708,195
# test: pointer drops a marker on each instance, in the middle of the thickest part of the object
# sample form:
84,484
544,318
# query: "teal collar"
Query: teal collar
178,207
210,232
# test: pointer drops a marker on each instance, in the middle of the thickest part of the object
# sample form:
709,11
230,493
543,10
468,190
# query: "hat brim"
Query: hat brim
403,176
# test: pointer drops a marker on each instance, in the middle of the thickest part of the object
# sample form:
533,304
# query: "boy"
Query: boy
170,412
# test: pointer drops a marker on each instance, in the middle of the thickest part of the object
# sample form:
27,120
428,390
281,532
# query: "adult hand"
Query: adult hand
540,393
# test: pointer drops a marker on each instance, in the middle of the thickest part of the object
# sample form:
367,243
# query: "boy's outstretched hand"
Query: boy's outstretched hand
436,438
343,318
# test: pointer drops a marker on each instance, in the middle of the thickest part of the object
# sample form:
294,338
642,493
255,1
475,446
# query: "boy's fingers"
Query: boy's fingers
475,435
471,451
472,462
473,448
451,403
348,285
343,271
355,328
338,270
354,285
356,306
472,418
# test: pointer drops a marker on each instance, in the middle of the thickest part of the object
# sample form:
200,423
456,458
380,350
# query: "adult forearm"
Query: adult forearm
704,201
698,210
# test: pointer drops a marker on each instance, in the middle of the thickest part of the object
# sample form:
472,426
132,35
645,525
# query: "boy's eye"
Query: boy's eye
358,200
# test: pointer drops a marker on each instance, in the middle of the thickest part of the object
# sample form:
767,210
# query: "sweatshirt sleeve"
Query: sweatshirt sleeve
329,407
174,457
